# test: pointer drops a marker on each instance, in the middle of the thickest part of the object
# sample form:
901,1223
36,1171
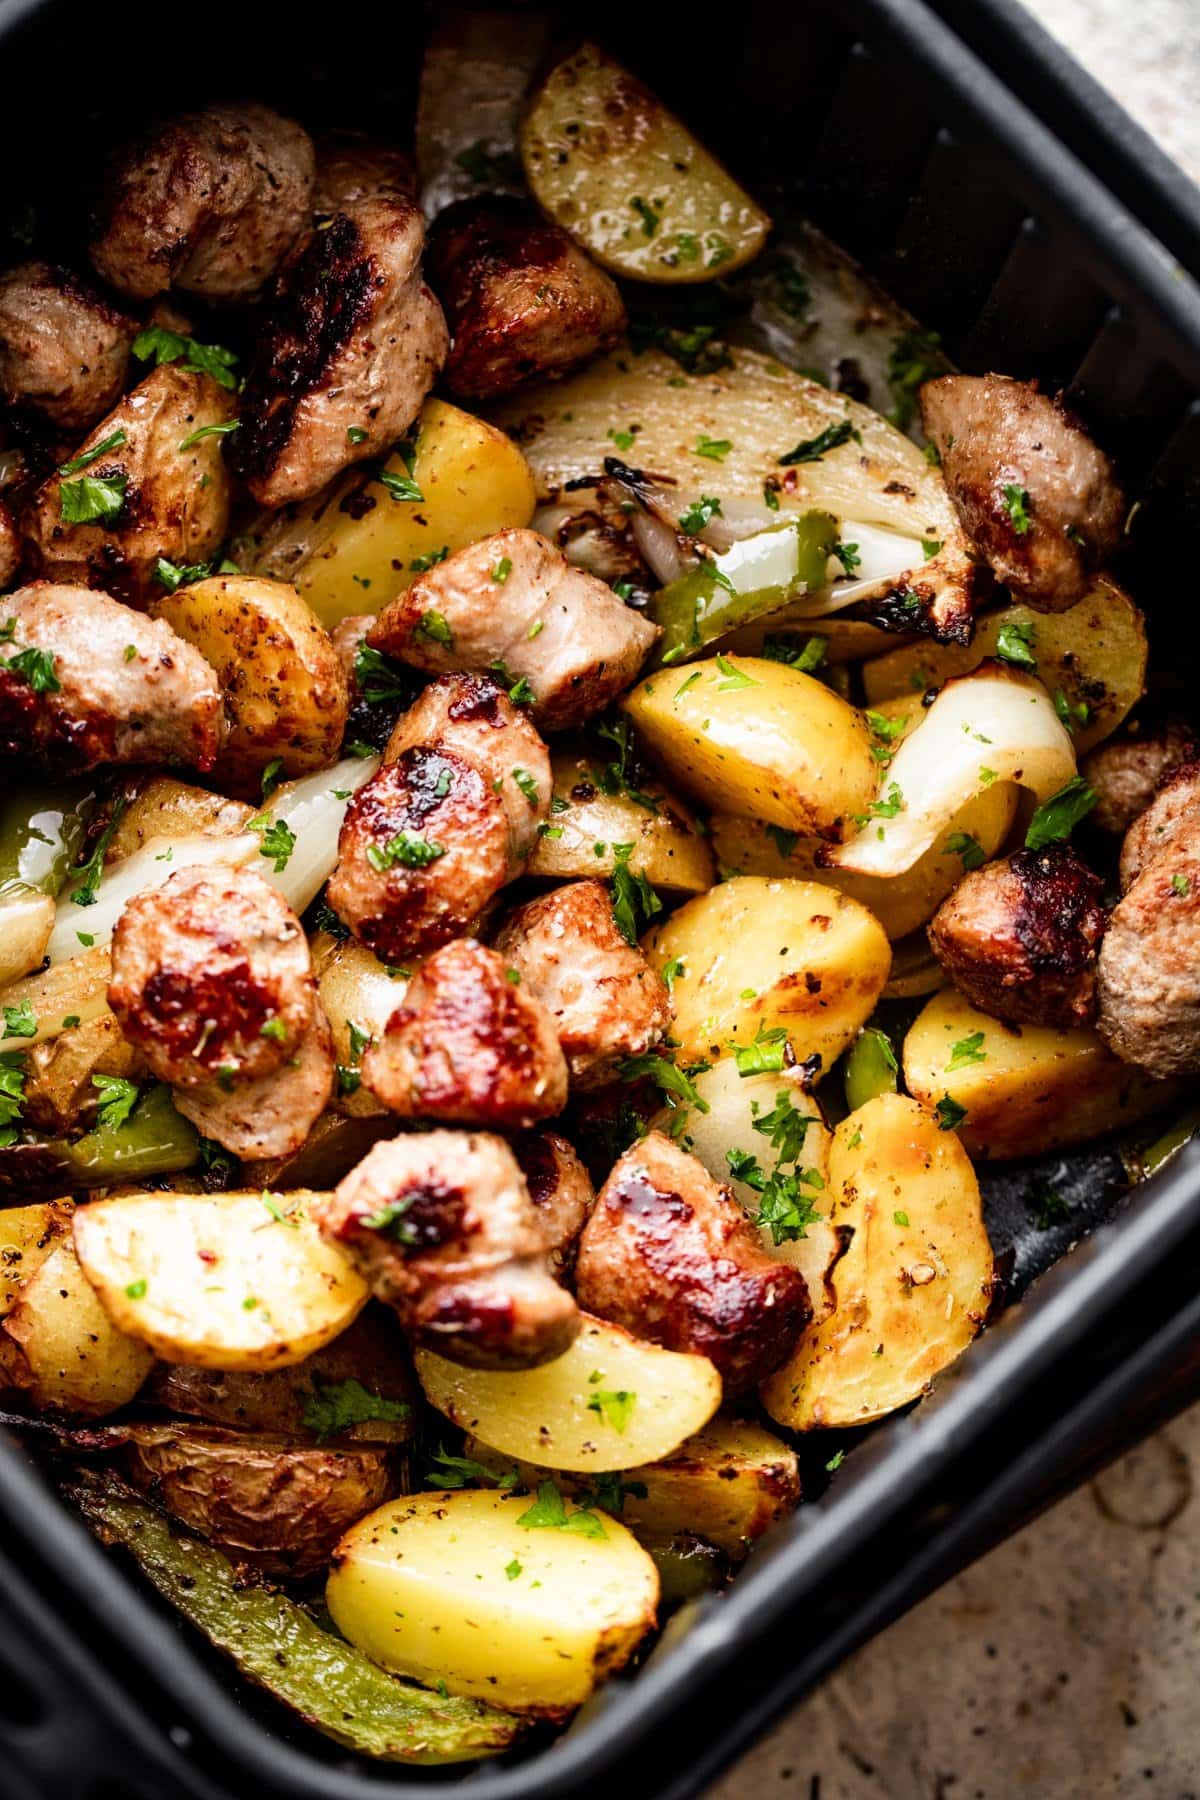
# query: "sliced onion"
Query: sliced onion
26,921
311,808
664,550
991,725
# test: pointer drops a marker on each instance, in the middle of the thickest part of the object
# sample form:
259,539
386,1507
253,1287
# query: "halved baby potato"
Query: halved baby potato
901,903
1027,1088
1094,655
283,684
914,1286
761,739
585,822
60,1347
167,808
354,546
359,994
224,1281
527,1604
728,1484
614,168
28,1234
754,956
554,1415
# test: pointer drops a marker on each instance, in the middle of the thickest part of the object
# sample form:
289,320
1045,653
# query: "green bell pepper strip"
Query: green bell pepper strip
154,1140
754,579
870,1067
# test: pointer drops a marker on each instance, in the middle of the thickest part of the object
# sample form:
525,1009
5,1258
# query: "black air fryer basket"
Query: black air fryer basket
878,122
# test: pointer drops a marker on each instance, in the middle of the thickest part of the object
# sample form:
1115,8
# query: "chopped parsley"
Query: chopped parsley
813,449
1049,1209
1179,885
714,449
271,776
407,849
19,1021
672,972
12,1095
86,458
673,1081
159,345
420,565
206,431
401,487
1016,505
92,498
502,570
37,668
549,1512
646,213
175,575
512,1569
117,1100
785,841
275,1029
1015,644
634,901
277,842
378,679
464,1471
91,872
1057,817
806,655
784,1127
765,1055
699,514
355,434
949,1113
391,1220
527,785
734,678
967,1050
914,357
614,1406
848,556
333,1406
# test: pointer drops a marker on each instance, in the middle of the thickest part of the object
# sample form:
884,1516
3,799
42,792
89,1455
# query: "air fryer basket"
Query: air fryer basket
875,120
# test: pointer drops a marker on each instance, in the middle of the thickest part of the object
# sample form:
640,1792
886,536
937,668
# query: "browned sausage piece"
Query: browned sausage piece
442,1226
606,1002
522,301
1035,495
1020,937
1173,808
1149,977
352,343
669,1254
85,680
212,979
1126,770
513,604
468,1046
63,350
10,546
209,202
561,1190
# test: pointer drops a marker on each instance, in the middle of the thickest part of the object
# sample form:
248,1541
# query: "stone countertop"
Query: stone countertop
1065,1665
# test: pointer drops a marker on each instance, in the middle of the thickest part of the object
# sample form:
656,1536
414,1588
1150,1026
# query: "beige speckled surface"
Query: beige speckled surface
1066,1665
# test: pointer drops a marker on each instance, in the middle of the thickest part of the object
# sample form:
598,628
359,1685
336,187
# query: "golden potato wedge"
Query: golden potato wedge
430,1586
358,1389
914,1286
224,1281
760,956
551,1414
761,739
728,1484
901,903
774,1119
1094,655
159,458
612,166
284,687
26,921
586,822
28,1234
359,994
59,1088
353,547
166,808
1028,1088
61,1349
279,1506
76,989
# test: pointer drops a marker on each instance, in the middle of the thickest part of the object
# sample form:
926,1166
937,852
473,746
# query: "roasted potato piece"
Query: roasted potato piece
586,821
353,547
157,486
429,1586
773,1120
59,1085
727,1485
285,691
613,167
76,989
28,1235
1094,656
280,1506
279,1645
26,921
914,1286
225,1281
761,956
555,1414
901,903
59,1347
1028,1088
168,808
359,994
360,1389
761,739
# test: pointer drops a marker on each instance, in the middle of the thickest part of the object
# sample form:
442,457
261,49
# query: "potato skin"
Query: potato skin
286,694
277,1505
60,1349
667,846
176,501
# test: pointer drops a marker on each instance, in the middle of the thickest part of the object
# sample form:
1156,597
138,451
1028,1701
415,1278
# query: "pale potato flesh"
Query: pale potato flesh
760,955
760,739
1035,1089
915,1284
586,823
547,1415
353,547
28,1235
359,994
219,1280
451,1587
60,1347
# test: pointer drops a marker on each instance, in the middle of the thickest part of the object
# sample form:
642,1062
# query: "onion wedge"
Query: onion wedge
992,725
